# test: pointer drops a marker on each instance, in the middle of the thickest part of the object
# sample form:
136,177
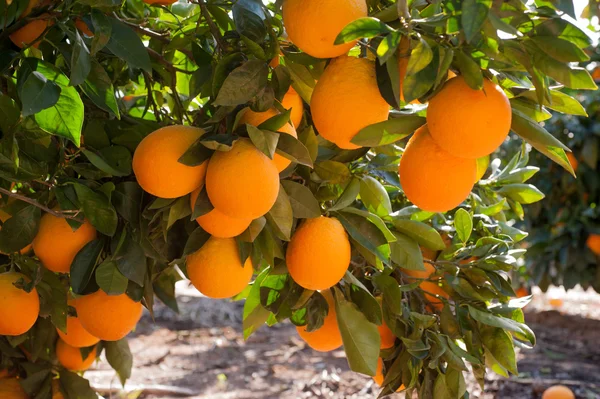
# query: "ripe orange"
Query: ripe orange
431,178
31,32
217,224
556,302
347,99
108,317
11,389
313,25
593,243
160,2
156,166
431,287
18,309
469,123
216,269
71,358
522,292
242,182
318,254
428,254
573,160
596,73
3,218
256,118
293,100
32,4
387,336
403,58
558,392
83,27
274,63
328,337
379,377
56,244
76,335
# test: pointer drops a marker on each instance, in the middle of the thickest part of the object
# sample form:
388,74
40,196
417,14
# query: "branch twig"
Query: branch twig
38,205
214,29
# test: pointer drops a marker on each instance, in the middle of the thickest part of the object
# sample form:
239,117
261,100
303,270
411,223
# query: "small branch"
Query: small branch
38,205
403,9
214,29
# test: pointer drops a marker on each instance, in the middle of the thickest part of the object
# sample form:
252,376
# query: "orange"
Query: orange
274,63
217,224
431,178
76,335
347,99
71,358
216,269
242,182
318,254
160,2
56,392
83,27
108,317
156,165
556,302
256,118
469,123
522,292
56,244
596,73
428,254
432,287
573,160
328,336
403,58
4,374
31,32
558,392
293,100
387,336
18,309
593,243
3,218
379,377
313,25
11,389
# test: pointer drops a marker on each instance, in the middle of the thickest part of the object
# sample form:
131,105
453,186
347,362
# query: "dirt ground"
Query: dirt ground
201,354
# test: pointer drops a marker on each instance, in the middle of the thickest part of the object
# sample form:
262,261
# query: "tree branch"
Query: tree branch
38,205
214,29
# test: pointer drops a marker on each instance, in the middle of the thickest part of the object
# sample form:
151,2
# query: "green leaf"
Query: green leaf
560,49
127,200
243,83
99,88
333,172
560,27
38,93
366,27
366,234
560,102
422,233
281,216
291,148
304,204
127,45
565,6
522,193
254,314
474,14
376,220
120,358
504,323
19,230
114,160
406,253
98,210
83,266
361,337
248,19
197,154
102,31
463,223
374,196
388,132
76,386
131,261
348,196
420,57
470,70
264,140
110,279
499,345
81,65
9,113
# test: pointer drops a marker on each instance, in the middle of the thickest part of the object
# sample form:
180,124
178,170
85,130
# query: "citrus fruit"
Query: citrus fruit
593,243
469,123
216,269
156,165
387,336
256,118
18,309
31,32
108,317
313,25
76,335
11,389
522,292
433,179
274,63
432,288
574,162
379,377
328,336
346,99
3,218
318,254
293,101
217,224
56,244
71,358
558,392
242,182
83,27
56,392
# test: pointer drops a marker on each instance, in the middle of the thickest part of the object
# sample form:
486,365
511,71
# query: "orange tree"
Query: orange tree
258,149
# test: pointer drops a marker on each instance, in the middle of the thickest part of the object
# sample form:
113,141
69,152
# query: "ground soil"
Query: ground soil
200,354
